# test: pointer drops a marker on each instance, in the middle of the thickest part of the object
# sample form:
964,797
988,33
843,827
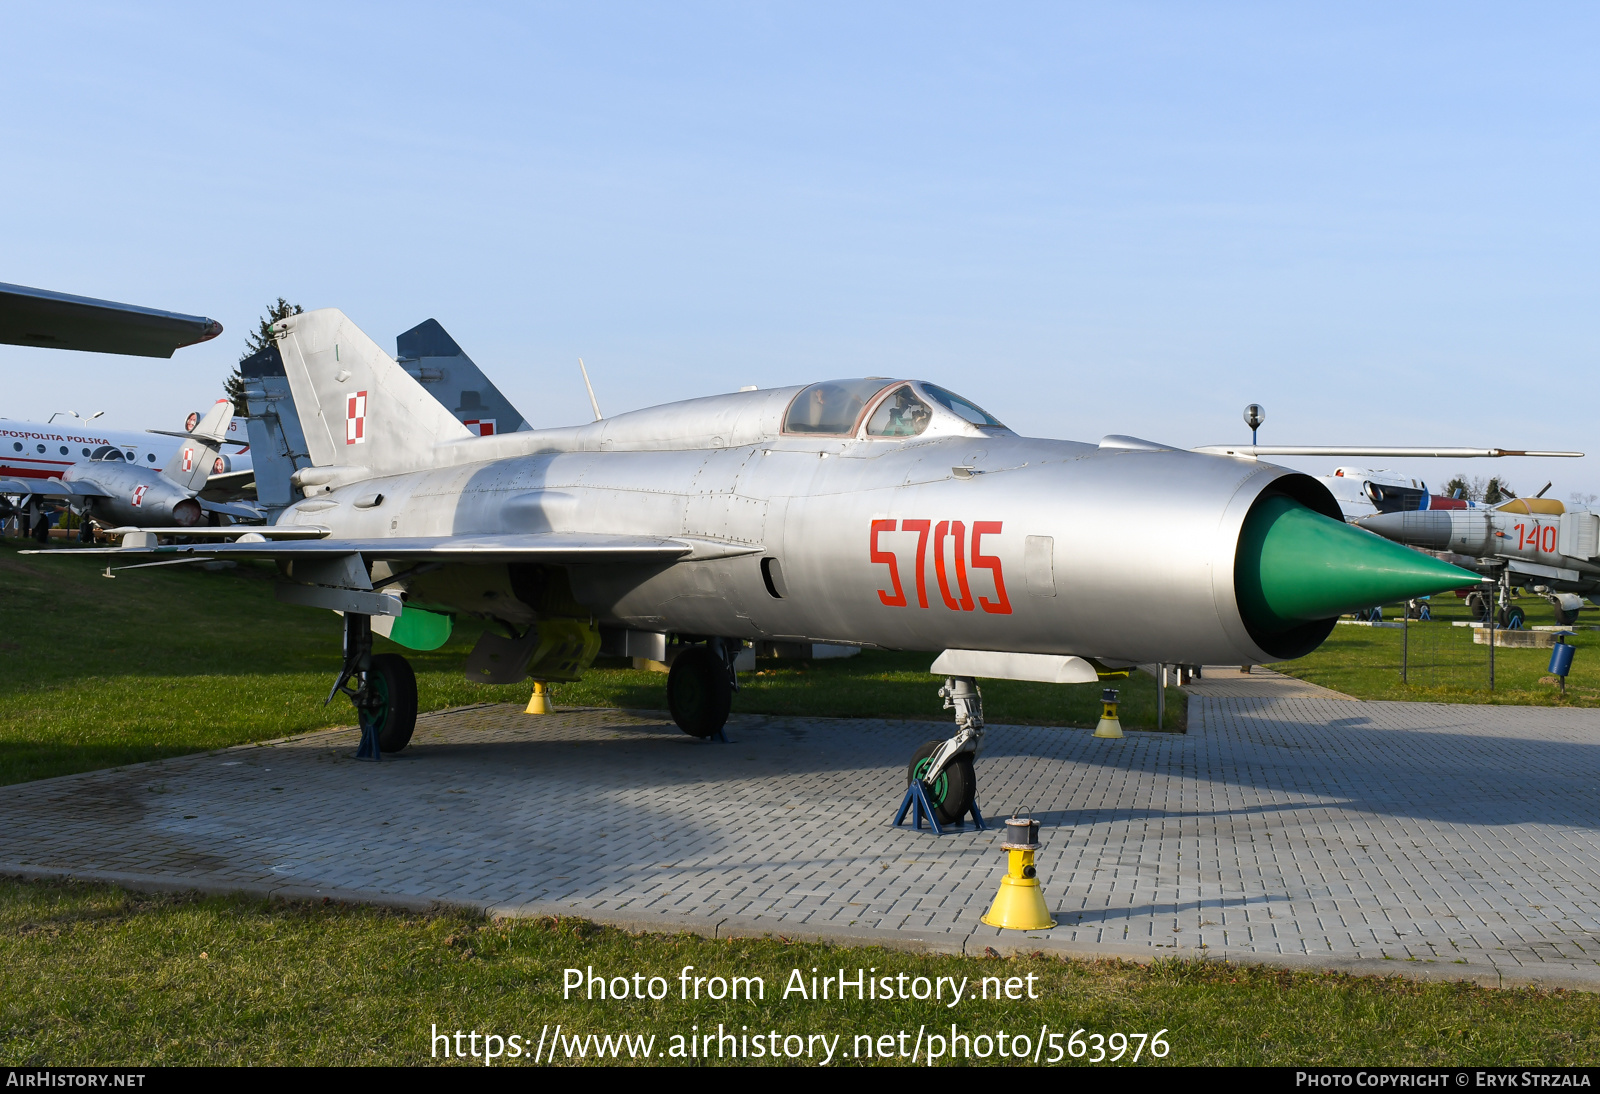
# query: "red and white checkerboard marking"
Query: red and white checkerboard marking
483,427
355,418
138,494
188,459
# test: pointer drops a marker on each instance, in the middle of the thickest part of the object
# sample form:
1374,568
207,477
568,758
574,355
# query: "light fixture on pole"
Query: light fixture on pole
1254,415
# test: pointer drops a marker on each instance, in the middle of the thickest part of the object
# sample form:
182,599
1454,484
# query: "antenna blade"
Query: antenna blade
592,401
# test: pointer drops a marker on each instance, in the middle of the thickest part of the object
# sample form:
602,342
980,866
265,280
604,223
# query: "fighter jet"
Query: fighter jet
1528,543
1362,491
115,491
428,353
868,511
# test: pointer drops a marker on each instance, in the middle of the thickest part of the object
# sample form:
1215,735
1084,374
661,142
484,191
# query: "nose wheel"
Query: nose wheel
940,776
952,791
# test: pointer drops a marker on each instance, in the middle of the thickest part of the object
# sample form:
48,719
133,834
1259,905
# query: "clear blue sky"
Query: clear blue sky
1377,220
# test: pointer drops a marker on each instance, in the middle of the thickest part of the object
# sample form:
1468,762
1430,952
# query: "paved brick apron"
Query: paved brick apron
1290,825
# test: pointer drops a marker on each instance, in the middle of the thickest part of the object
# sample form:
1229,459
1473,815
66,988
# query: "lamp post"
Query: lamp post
1254,415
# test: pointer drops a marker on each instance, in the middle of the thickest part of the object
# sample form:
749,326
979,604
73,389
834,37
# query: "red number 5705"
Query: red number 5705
949,559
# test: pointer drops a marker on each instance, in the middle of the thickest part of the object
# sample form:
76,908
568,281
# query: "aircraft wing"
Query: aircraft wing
50,488
229,509
1358,450
547,547
39,317
231,480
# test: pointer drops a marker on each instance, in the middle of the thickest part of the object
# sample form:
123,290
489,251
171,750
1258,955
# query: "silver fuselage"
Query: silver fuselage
129,494
1559,551
1120,553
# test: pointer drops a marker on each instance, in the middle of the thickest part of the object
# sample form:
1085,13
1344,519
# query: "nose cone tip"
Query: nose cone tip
1296,565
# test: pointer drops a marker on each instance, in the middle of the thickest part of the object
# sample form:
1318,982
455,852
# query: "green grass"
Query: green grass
1365,661
96,975
95,673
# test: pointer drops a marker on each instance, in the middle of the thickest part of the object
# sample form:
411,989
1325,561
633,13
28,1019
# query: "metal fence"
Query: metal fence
1437,654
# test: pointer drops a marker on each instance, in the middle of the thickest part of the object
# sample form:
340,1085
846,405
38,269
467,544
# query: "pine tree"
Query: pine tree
1458,483
258,340
1497,491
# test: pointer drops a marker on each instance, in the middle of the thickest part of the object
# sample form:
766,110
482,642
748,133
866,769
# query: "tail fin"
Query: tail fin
357,407
277,444
191,464
428,353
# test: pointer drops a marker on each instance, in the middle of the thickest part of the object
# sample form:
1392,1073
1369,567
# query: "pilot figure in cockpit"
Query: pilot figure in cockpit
908,415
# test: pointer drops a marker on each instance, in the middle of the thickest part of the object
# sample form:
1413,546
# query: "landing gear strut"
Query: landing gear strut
945,767
41,522
382,687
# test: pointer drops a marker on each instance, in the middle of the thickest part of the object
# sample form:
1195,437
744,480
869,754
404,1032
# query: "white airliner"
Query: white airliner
35,450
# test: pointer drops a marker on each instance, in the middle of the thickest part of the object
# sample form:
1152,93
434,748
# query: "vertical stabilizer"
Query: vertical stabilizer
191,465
429,354
277,444
357,407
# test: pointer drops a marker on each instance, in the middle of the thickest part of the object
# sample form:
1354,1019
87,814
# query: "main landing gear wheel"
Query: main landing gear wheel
391,706
699,691
1478,605
1565,618
954,791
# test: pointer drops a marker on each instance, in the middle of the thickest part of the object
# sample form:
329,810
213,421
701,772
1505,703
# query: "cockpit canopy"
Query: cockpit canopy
834,408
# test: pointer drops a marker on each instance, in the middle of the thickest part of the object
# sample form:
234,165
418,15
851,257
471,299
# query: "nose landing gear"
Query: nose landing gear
383,689
944,768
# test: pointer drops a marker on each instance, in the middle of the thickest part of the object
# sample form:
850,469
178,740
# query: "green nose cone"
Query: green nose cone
1296,565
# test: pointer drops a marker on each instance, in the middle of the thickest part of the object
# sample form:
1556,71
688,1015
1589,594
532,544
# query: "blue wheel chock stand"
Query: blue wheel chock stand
369,744
920,806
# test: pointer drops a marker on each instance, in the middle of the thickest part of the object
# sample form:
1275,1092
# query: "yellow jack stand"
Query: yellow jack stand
1110,727
1019,905
540,702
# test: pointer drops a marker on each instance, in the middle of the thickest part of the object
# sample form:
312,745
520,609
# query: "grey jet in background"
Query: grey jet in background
1537,543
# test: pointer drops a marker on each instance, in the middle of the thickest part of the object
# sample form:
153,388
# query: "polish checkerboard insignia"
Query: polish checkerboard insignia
355,418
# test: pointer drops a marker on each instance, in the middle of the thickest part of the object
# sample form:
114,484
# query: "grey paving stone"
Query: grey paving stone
1289,824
